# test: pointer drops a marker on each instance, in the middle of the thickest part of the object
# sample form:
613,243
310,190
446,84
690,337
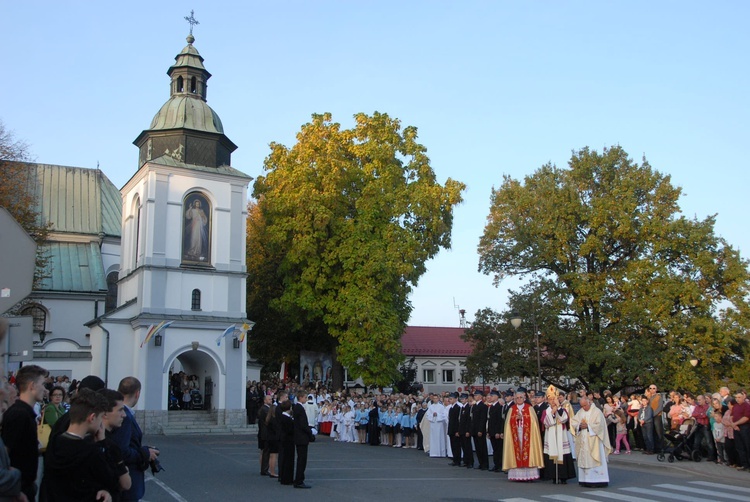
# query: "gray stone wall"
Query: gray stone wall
234,418
152,421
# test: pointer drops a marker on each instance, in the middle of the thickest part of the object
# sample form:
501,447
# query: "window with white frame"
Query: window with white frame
428,376
448,376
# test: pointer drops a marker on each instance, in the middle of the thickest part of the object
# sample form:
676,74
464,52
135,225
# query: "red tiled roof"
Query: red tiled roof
434,341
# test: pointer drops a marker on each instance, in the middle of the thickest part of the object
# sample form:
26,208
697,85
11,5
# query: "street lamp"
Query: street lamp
495,364
515,321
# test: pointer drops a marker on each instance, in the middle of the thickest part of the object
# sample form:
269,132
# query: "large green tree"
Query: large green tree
345,221
621,286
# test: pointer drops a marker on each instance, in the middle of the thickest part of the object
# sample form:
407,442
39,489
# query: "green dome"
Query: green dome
185,111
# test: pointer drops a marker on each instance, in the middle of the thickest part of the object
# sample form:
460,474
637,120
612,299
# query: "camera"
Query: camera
155,466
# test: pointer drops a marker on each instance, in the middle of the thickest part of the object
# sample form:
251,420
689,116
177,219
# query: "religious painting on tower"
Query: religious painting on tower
196,230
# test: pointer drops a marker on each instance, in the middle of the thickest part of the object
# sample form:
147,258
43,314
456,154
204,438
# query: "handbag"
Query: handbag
42,432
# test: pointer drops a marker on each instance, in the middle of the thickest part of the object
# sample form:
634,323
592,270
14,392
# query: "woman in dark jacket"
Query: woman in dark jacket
273,440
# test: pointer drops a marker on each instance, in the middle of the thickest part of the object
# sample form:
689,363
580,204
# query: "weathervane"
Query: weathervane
192,21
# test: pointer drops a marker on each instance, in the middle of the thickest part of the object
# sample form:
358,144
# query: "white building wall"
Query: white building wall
74,368
110,250
438,364
65,316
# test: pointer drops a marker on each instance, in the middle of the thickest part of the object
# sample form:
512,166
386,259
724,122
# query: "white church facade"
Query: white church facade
172,249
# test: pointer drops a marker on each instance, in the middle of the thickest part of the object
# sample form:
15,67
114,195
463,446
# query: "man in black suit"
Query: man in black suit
507,404
464,431
128,438
495,429
420,415
479,430
454,414
540,404
263,435
303,436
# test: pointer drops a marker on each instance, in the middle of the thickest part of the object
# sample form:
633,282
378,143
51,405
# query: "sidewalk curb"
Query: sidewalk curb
703,468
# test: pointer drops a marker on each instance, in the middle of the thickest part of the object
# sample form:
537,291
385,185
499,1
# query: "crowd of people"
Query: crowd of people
185,393
92,445
550,435
84,435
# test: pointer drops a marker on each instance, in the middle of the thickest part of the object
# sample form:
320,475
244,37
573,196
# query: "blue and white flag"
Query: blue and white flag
227,331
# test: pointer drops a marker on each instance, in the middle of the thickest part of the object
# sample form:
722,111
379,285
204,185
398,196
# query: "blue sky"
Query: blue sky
494,88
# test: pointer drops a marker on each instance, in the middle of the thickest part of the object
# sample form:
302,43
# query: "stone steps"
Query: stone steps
195,422
191,418
188,430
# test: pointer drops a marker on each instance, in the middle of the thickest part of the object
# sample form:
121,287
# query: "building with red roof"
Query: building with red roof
438,355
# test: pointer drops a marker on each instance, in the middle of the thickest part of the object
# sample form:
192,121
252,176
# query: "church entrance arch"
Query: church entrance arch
207,366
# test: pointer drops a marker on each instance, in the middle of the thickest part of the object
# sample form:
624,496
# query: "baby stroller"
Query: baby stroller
680,443
196,400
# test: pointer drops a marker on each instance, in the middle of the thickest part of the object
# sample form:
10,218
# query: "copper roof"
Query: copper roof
73,267
434,341
77,200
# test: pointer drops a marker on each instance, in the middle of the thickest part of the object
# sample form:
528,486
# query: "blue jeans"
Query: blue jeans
648,435
704,433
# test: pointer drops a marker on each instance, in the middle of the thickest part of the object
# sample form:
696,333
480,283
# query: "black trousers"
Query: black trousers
286,463
658,434
299,476
480,444
420,442
497,452
468,454
742,444
264,457
456,448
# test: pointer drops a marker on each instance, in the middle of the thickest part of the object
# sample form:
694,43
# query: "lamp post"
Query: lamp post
515,321
495,364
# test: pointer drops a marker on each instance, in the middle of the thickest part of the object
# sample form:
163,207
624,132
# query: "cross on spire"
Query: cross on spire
192,21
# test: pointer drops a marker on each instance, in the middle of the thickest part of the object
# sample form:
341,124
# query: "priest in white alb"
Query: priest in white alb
592,445
437,415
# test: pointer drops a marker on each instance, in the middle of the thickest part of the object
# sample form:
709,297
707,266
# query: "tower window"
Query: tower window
39,316
137,231
193,85
196,300
180,84
111,301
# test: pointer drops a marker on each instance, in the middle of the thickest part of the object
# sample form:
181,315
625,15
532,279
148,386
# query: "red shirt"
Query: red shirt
741,410
699,414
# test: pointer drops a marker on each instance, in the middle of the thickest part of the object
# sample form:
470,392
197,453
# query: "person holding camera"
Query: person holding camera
128,438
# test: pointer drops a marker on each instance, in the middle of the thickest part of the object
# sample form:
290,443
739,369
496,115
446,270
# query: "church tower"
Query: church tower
182,259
